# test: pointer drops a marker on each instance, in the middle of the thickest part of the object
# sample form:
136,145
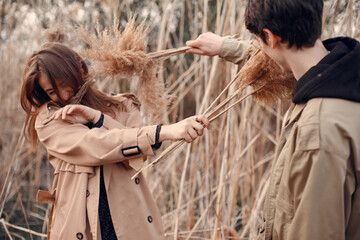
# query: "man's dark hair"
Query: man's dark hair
297,22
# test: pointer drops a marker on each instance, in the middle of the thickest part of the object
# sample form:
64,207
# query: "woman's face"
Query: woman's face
65,92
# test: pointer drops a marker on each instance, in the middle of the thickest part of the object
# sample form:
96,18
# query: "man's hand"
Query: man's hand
208,44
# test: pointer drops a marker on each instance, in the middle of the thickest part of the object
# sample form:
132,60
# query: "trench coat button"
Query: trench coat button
137,180
87,193
150,219
79,235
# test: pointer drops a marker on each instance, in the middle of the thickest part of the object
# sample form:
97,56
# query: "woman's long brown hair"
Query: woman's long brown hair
67,68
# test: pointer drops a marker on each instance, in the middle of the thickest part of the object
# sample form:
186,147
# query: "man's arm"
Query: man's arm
209,44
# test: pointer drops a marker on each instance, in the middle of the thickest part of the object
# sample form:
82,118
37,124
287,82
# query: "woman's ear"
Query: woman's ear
271,39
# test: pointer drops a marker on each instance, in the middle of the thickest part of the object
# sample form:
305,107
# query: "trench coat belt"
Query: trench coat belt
45,197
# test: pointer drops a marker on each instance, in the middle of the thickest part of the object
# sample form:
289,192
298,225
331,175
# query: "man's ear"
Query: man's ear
271,39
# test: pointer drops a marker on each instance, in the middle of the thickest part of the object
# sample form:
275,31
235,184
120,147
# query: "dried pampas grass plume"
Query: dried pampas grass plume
56,34
122,53
268,81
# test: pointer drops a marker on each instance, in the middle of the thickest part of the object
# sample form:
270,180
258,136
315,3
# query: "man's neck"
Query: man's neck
301,60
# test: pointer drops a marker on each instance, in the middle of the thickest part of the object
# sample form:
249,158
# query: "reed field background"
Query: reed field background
213,188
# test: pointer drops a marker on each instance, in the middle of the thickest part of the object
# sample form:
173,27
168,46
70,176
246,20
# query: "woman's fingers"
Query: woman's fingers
68,112
188,139
65,112
57,114
196,127
204,120
192,133
60,112
71,109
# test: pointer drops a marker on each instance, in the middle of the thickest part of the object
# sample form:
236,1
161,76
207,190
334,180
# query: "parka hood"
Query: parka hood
337,75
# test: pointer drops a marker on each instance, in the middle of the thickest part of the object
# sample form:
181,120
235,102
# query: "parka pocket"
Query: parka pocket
285,207
309,137
284,214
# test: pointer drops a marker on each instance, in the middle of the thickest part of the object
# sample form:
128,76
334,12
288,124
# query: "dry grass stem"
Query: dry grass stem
6,224
163,54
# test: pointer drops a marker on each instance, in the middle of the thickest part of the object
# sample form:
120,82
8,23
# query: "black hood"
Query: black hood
336,76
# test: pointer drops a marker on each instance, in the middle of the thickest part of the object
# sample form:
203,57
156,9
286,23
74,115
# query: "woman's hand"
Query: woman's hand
76,113
188,129
208,44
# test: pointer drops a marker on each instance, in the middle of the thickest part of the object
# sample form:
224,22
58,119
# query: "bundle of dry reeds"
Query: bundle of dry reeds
268,82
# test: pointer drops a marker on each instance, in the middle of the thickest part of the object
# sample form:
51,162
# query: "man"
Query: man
314,187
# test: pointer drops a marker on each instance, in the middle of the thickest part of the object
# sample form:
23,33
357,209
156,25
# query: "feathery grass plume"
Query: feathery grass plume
265,77
56,34
114,52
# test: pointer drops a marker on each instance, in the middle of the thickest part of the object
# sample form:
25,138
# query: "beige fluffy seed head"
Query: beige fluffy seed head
265,77
122,53
56,34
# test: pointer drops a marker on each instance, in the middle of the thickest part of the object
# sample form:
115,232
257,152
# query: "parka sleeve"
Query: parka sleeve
234,50
321,184
76,144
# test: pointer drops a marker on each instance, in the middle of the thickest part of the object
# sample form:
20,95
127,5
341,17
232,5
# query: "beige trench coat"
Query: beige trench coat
76,153
314,187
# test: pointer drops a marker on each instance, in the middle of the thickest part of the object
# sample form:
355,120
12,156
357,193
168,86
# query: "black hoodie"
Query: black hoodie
336,76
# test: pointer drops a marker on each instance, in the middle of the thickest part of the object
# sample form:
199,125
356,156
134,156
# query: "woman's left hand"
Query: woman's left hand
188,129
76,113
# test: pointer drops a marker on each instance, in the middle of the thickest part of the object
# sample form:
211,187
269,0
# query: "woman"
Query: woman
95,147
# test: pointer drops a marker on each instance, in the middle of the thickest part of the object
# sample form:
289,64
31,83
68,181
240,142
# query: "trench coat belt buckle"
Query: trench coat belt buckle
131,151
45,197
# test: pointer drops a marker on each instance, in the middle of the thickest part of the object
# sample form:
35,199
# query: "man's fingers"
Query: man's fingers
193,43
195,51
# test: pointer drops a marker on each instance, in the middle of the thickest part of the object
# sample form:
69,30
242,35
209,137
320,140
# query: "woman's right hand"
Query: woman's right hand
76,113
188,129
